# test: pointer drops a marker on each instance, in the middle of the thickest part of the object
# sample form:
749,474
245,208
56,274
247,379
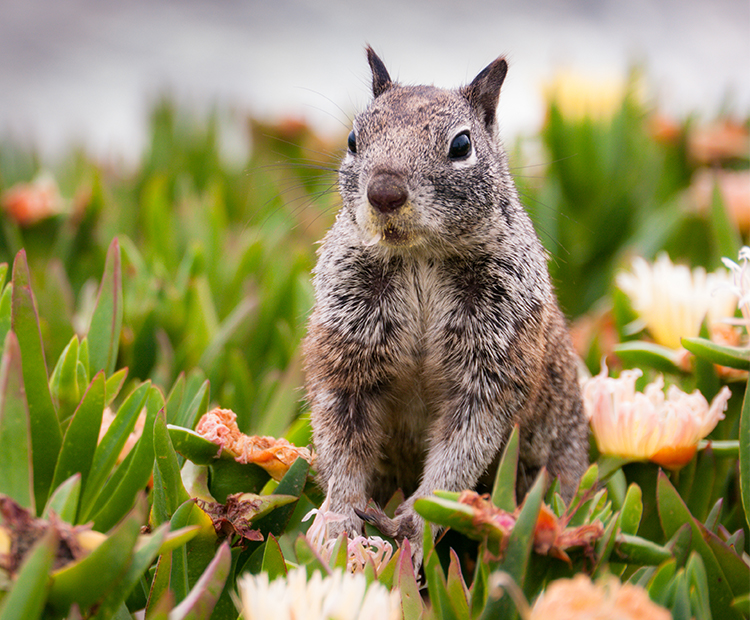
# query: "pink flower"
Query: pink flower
649,425
29,203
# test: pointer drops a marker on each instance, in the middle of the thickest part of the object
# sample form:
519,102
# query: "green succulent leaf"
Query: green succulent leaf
106,322
16,473
227,476
79,442
195,447
406,582
64,500
734,357
637,353
121,492
46,435
169,492
109,448
744,468
293,483
202,599
89,580
63,384
673,513
504,489
273,559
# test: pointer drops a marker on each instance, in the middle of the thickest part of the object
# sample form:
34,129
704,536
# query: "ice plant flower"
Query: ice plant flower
741,283
361,550
276,456
580,97
339,596
580,598
673,300
649,425
29,203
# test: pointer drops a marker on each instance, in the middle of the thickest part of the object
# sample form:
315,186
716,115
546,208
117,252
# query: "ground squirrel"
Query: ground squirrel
435,328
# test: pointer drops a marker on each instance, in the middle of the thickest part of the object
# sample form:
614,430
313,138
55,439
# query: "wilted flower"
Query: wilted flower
276,456
649,425
607,599
29,203
339,596
361,550
108,416
673,300
734,189
552,536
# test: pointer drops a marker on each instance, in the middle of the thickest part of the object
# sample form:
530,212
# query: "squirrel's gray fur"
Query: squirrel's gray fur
435,328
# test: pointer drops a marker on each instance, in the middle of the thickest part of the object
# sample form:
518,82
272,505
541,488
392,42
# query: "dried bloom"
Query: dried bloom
607,599
29,203
108,416
673,300
552,536
276,456
361,550
734,189
339,596
649,425
719,141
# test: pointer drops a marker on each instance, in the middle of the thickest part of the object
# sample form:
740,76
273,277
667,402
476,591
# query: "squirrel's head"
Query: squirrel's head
424,166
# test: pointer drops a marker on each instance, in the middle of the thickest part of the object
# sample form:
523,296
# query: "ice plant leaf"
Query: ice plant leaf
673,513
637,550
504,489
113,503
201,600
27,597
293,483
88,580
195,447
745,455
643,354
114,385
406,582
16,473
520,544
309,557
146,551
64,500
457,591
273,559
228,476
632,509
63,383
734,357
46,436
79,442
110,446
169,492
106,322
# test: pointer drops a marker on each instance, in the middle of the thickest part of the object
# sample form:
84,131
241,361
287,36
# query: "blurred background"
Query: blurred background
205,136
89,70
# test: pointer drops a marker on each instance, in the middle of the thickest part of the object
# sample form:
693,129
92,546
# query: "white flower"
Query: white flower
741,285
673,300
339,596
360,549
649,425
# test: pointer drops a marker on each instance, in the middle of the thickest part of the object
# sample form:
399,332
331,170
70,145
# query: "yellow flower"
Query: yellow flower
579,97
339,596
607,599
649,425
672,300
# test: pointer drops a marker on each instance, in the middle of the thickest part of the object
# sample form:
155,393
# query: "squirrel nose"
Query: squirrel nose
387,192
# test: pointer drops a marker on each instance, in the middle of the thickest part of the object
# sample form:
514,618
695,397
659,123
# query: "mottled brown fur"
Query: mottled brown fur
436,328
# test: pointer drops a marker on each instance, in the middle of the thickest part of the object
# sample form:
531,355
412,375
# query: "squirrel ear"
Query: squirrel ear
484,91
381,81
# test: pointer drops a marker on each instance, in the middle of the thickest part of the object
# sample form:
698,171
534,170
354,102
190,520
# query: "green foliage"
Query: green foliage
157,294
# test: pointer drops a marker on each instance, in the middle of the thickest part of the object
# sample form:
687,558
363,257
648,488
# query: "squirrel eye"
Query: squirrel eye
460,146
351,142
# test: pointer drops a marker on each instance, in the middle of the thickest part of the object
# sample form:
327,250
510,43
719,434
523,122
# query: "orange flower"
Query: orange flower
722,140
29,203
276,456
734,189
607,599
649,425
